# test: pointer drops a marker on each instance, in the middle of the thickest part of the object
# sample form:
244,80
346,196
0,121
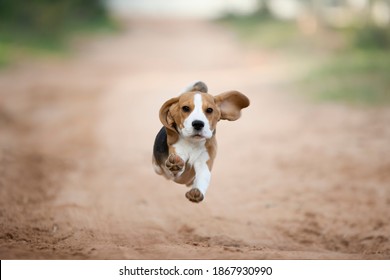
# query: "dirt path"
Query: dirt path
291,180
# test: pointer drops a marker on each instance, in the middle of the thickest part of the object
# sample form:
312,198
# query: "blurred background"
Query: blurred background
304,174
346,38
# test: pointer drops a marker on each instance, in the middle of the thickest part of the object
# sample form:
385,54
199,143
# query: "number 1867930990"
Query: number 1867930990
245,270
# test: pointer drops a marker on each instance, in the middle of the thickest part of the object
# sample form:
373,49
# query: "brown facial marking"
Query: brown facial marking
212,115
183,108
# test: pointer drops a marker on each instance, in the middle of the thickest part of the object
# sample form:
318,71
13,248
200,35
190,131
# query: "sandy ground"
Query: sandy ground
292,180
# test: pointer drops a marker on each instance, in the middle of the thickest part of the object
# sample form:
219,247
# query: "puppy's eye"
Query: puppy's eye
209,110
185,109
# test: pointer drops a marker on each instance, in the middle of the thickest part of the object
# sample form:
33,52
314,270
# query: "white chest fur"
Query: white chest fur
191,151
196,155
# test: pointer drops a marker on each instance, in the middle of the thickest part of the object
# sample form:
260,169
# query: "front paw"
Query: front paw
195,195
175,164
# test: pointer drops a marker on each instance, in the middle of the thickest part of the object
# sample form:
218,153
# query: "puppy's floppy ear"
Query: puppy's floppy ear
230,104
166,116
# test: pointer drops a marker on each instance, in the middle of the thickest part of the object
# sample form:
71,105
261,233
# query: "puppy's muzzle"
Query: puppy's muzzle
197,125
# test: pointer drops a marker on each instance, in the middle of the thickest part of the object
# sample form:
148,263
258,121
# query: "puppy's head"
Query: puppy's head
195,113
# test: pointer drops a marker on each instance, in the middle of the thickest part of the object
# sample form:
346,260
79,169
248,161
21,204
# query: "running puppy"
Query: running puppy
185,147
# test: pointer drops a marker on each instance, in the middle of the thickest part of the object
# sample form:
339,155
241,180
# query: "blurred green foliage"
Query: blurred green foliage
48,17
262,30
45,26
371,37
358,73
346,65
357,77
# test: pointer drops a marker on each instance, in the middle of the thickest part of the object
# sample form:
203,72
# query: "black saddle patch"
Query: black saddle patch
160,148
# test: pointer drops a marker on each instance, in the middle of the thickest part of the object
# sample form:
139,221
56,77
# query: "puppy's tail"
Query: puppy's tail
196,86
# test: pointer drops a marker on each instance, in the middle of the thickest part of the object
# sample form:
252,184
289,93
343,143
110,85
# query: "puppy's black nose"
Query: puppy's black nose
198,125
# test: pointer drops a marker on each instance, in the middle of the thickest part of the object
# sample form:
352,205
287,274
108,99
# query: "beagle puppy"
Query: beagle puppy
185,147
